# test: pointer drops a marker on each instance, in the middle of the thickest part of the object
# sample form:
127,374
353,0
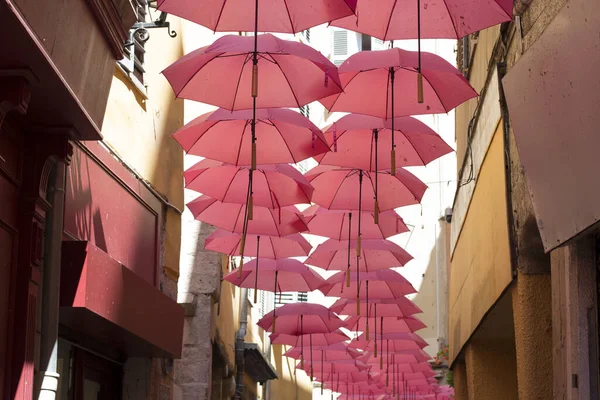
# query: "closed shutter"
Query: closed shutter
340,46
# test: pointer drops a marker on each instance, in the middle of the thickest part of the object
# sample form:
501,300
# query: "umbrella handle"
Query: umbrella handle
420,88
250,205
376,213
255,79
367,318
393,162
393,152
256,270
358,305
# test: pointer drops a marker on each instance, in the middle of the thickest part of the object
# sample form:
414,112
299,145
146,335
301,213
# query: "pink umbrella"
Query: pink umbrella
335,352
318,339
392,324
271,247
371,80
376,254
230,216
446,19
416,143
285,275
398,341
340,366
293,74
274,16
343,225
385,284
402,357
274,185
301,319
285,136
343,189
398,307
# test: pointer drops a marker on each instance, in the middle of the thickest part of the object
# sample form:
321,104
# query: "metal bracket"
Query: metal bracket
161,22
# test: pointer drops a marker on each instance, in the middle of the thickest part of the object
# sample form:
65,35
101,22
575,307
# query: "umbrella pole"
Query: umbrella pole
301,341
393,153
376,214
349,239
381,333
393,374
387,368
419,75
311,357
256,271
254,96
322,369
375,325
367,302
245,227
358,242
275,301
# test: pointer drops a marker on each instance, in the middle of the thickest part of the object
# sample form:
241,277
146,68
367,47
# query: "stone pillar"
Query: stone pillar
491,369
532,310
461,389
198,286
574,319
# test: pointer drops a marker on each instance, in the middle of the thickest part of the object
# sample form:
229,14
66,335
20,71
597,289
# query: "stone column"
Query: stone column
461,389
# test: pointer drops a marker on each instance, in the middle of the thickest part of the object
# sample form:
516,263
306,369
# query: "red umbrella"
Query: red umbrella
301,319
374,80
273,16
398,341
398,307
230,216
343,225
285,275
285,136
384,284
376,254
350,189
445,19
274,185
293,74
416,143
271,247
392,324
335,352
318,339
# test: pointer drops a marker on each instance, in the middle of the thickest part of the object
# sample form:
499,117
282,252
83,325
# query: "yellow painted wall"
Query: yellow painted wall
138,129
480,267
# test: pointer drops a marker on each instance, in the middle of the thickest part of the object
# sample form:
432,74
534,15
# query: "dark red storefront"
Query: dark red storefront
71,215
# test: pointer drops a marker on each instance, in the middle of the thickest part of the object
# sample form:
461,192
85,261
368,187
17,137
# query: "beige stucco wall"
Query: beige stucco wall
138,129
490,367
480,266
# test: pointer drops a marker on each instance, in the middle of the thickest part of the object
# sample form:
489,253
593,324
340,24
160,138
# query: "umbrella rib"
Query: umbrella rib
337,190
451,19
345,86
239,152
237,87
230,183
387,27
436,93
287,80
289,17
413,146
271,193
283,138
199,137
193,75
220,13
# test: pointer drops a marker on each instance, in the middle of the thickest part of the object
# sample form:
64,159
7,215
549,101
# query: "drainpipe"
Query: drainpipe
51,286
239,345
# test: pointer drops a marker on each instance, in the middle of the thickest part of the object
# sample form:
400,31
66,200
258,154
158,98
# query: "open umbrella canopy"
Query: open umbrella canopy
318,339
337,224
285,275
368,89
301,319
326,376
271,247
397,341
375,254
389,324
343,188
340,366
292,74
400,357
382,284
335,352
351,136
273,15
282,135
397,308
274,185
445,19
230,216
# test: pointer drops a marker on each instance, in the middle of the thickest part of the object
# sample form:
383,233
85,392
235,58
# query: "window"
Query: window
291,297
340,46
135,51
306,35
305,110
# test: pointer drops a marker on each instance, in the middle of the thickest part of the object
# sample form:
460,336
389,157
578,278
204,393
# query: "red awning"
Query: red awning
103,300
